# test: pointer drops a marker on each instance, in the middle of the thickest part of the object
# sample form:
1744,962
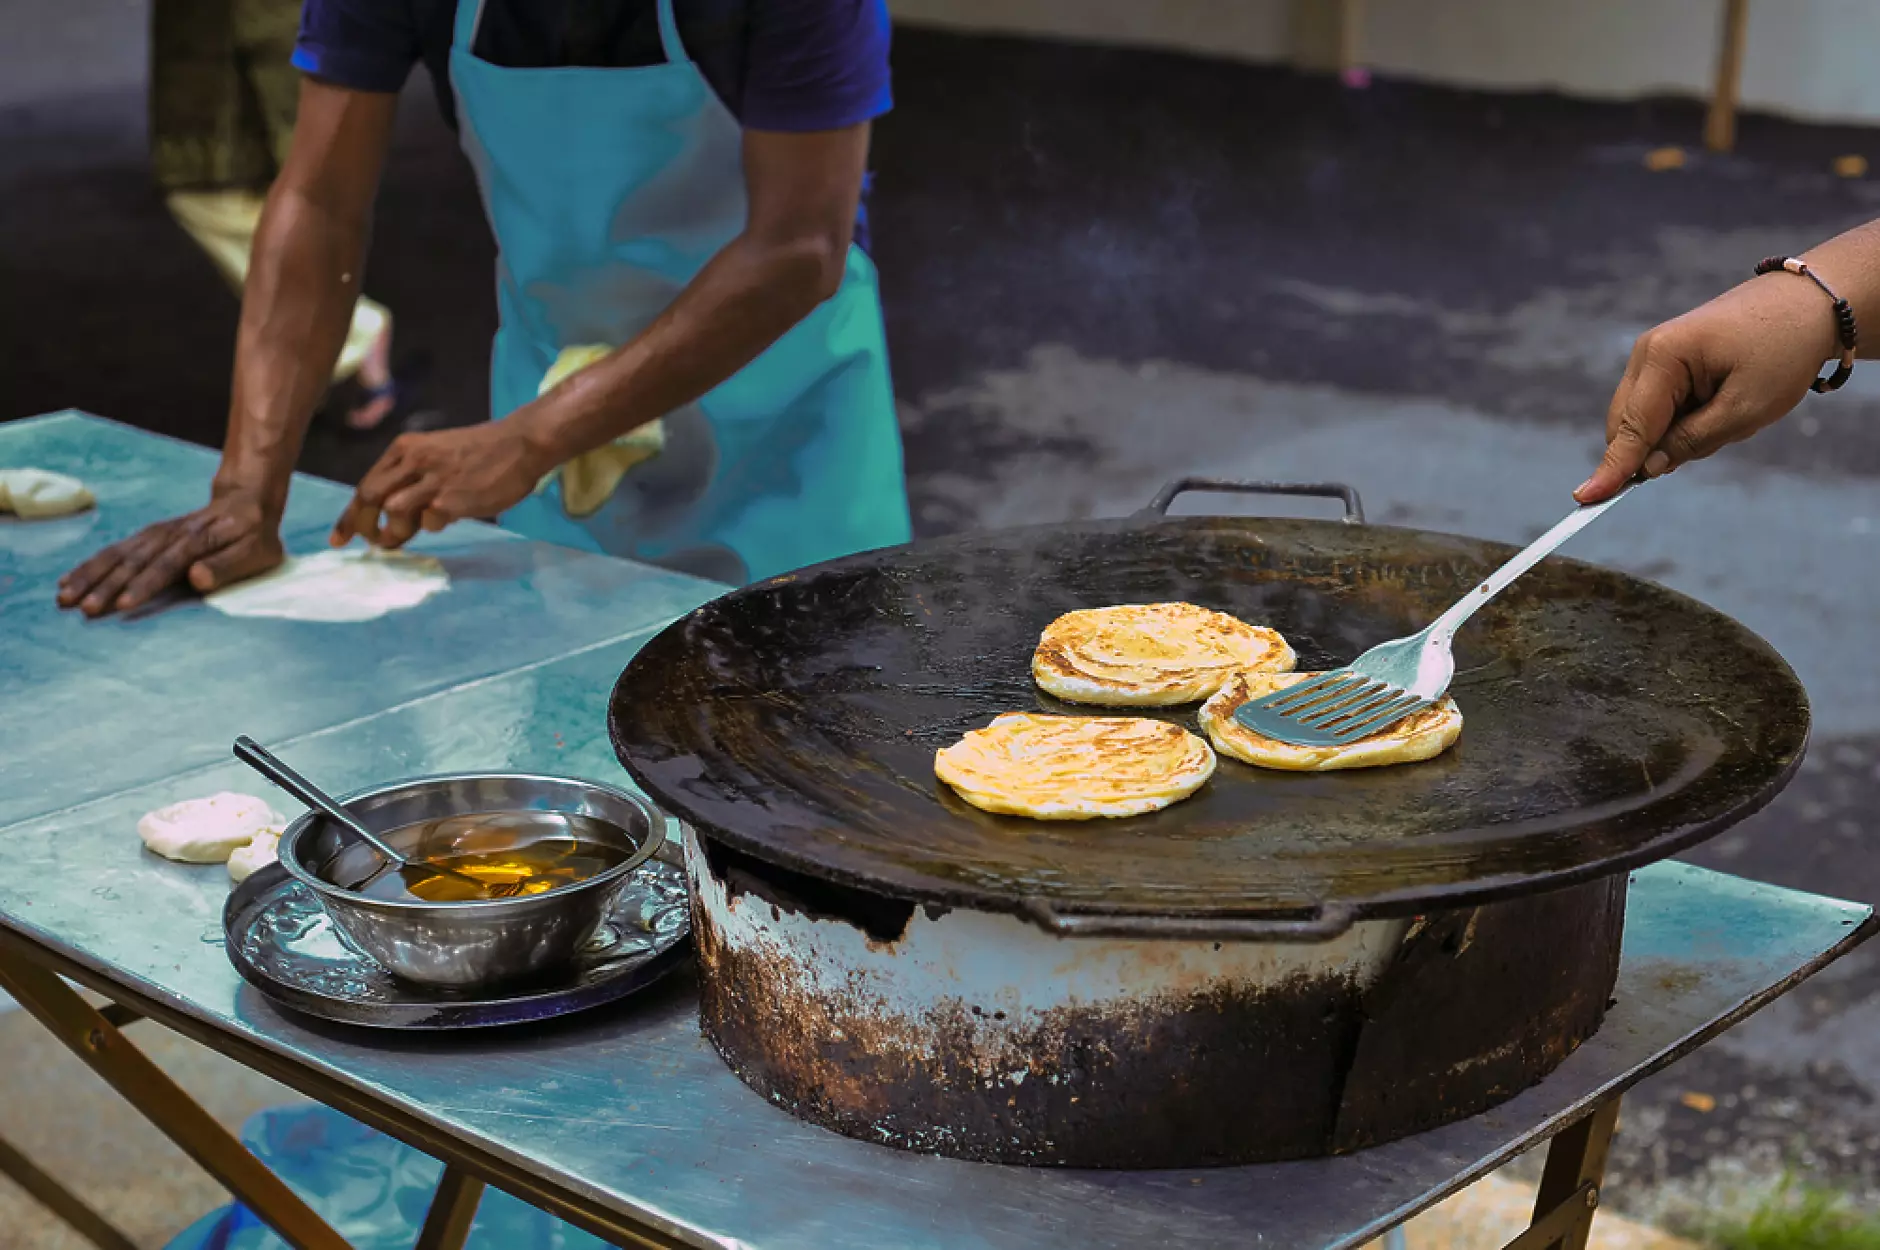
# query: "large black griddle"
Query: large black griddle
1609,722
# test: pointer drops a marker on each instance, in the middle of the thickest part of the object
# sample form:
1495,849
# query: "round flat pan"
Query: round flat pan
1608,722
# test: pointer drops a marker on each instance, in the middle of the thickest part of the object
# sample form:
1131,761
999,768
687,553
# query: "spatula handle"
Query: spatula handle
1449,622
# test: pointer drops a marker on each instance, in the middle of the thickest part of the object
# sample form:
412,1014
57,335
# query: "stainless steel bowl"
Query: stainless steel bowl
473,944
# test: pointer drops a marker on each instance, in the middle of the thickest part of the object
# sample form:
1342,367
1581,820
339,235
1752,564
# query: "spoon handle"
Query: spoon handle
263,761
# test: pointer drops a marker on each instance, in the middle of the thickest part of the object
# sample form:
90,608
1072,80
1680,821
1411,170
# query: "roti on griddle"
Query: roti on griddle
1075,767
1151,654
1422,736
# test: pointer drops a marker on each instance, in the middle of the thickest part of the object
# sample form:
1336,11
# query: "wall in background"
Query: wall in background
1806,58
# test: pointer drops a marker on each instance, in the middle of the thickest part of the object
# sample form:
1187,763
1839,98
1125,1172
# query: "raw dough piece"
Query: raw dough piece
258,854
1075,767
355,584
1150,654
206,831
38,493
1420,737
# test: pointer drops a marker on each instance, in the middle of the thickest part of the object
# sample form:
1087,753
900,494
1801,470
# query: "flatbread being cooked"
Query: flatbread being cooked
1075,767
1151,654
1420,737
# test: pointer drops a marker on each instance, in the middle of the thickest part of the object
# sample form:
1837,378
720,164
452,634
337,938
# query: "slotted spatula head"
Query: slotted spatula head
1398,678
1329,710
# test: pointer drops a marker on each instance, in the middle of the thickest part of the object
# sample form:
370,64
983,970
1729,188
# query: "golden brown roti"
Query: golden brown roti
1150,655
1075,767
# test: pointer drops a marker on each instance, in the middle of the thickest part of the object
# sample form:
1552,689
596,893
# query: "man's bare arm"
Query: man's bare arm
303,279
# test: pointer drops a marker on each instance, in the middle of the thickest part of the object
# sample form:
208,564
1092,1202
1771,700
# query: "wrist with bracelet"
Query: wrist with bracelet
1847,333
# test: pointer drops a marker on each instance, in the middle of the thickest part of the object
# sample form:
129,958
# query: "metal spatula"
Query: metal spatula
1395,679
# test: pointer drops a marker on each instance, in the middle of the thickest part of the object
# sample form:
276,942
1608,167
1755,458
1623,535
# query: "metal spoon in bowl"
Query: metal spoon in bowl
263,761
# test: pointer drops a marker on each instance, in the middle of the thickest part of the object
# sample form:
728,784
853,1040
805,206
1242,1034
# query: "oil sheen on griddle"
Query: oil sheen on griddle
512,853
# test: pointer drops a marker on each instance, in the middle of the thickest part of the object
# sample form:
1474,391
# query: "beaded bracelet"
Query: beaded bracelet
1843,320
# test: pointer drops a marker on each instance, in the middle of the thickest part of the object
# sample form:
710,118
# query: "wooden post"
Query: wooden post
1327,35
1720,126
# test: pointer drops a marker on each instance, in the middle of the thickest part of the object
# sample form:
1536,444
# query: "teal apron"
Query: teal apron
608,190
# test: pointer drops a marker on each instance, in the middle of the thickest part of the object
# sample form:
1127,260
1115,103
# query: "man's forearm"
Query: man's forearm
303,280
744,300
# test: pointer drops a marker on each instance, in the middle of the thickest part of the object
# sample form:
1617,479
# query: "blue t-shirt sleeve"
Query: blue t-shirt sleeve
816,64
365,45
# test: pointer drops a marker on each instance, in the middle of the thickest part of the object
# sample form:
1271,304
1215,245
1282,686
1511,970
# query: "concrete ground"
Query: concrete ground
1105,268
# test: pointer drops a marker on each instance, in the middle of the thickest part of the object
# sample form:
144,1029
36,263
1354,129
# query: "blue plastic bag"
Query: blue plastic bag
372,1189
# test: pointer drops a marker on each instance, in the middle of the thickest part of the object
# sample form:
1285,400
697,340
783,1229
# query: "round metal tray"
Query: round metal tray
282,943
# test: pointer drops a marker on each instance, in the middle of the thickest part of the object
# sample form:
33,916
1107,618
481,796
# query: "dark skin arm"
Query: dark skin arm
802,189
303,280
1730,368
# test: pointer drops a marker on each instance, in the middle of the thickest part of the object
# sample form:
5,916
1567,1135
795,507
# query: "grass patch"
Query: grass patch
1797,1216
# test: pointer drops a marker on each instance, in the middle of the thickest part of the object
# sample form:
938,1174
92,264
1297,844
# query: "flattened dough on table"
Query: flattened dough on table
1420,737
1150,654
258,854
207,830
352,584
39,493
1075,767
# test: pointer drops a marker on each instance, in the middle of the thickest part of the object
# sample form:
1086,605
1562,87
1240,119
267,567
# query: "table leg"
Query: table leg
1720,125
61,1201
453,1207
95,1040
1569,1192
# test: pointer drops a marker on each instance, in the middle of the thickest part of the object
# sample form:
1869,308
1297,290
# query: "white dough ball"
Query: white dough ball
258,854
206,831
38,493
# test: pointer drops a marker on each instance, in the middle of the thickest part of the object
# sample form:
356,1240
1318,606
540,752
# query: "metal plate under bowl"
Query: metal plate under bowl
281,942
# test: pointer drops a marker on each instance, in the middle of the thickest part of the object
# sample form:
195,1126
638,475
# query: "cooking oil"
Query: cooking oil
497,854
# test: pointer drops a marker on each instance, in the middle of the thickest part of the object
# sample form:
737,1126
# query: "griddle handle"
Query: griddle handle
1354,507
1321,925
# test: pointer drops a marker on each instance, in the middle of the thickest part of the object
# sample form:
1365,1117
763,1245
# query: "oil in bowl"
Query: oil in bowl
572,845
511,854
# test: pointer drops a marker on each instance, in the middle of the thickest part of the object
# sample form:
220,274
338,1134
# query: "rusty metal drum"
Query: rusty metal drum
977,1035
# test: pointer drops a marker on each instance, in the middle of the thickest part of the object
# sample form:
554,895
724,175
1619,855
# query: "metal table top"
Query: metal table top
626,1115
118,703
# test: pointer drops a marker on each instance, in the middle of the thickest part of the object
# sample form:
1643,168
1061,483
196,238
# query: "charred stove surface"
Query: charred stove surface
1609,722
974,1035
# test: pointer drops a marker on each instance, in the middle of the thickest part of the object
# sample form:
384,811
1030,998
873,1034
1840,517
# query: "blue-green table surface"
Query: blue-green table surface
102,706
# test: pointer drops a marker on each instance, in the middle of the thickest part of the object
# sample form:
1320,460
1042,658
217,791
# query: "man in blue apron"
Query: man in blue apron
674,187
